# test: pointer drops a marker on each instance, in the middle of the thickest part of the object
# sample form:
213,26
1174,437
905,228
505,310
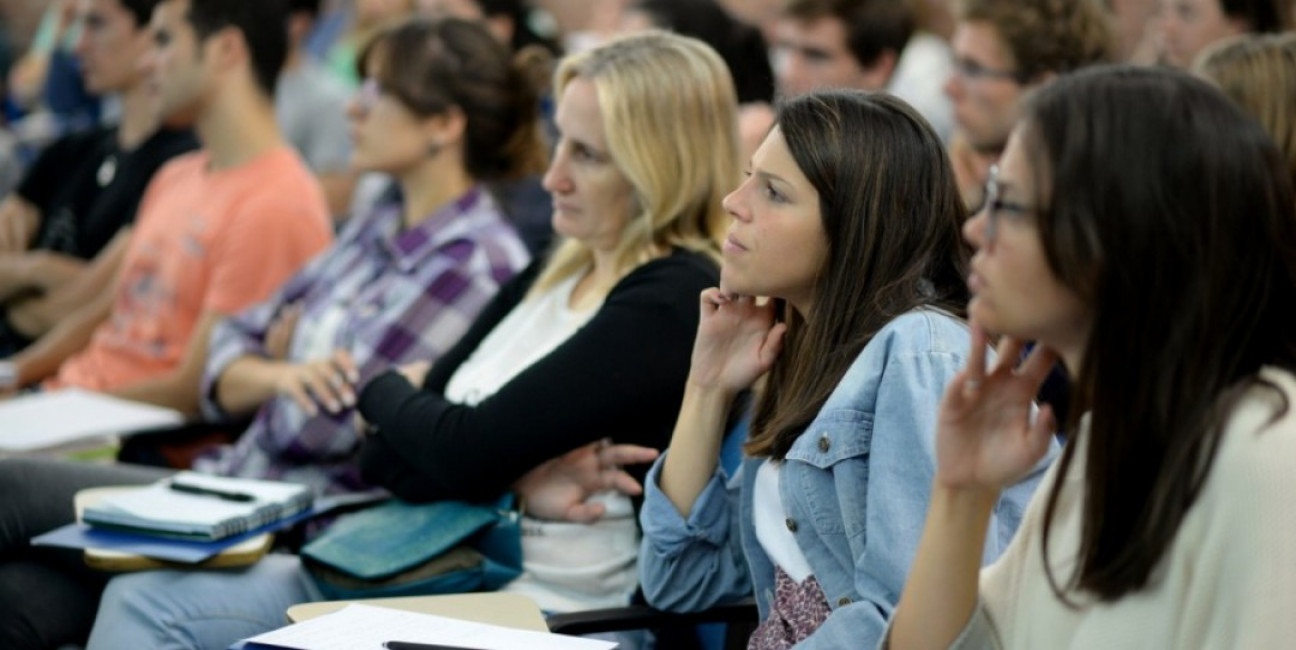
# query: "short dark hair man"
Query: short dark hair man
218,230
86,186
864,44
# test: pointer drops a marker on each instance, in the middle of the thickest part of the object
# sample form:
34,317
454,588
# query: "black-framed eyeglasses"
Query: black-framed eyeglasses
996,207
970,70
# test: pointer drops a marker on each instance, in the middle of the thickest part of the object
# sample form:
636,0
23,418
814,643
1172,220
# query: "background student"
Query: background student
592,342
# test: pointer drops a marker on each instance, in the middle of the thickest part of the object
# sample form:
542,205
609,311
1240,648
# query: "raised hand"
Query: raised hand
560,488
328,383
737,341
985,438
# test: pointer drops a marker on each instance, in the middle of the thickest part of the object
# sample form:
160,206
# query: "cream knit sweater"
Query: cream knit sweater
1228,580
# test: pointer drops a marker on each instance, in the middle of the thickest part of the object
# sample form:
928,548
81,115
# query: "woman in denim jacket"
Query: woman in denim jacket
850,220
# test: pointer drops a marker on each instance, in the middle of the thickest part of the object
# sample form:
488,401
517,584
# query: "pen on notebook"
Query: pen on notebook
410,645
187,488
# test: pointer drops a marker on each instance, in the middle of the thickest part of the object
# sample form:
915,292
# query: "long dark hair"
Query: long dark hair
1171,217
891,215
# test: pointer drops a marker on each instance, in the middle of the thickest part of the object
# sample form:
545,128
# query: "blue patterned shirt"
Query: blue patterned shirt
386,295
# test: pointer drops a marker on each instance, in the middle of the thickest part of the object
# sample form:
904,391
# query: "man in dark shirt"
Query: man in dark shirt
85,188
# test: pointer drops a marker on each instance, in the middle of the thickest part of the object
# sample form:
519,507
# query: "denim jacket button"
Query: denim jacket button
824,443
843,601
791,524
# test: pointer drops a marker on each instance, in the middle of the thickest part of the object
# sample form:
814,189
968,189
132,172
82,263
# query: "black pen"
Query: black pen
187,488
410,645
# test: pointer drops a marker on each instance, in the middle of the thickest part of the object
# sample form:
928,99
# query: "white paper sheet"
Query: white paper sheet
362,627
47,420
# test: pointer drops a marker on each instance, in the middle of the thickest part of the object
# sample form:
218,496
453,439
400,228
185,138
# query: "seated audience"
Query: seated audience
1189,26
864,44
590,344
1259,73
404,283
217,231
1167,521
401,284
85,187
1004,49
862,332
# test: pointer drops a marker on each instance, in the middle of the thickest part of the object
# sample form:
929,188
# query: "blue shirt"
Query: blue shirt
855,487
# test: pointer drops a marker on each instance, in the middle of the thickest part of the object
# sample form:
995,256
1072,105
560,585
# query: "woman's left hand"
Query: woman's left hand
560,488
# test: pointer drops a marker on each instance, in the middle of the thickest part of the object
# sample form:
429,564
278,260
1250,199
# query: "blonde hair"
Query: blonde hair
670,118
1259,73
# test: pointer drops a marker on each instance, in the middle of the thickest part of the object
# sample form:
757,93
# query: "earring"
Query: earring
434,149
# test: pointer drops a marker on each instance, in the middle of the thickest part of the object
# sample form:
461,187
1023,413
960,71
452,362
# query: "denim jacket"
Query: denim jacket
855,487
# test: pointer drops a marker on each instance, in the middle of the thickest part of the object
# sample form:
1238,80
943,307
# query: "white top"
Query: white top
566,567
1227,580
770,520
532,330
919,78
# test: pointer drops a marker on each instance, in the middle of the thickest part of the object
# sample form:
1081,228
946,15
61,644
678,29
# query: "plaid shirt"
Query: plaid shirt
387,297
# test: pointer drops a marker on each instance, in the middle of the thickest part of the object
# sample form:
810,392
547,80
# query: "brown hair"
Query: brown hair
1044,36
432,66
872,26
1259,73
1186,258
892,215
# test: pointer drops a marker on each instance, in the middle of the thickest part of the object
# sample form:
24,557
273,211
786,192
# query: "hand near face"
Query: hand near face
737,342
560,488
985,438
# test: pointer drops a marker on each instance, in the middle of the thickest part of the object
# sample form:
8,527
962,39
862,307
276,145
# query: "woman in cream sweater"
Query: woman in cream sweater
1140,229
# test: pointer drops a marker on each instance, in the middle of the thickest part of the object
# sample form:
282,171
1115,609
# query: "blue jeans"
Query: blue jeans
204,609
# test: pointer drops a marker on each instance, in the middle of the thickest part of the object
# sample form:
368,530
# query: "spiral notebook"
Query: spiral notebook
190,505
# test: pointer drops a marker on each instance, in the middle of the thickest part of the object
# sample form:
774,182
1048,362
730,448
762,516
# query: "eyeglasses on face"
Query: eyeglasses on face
995,207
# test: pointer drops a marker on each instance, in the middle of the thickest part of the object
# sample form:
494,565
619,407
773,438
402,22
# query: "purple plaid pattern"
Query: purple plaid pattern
386,296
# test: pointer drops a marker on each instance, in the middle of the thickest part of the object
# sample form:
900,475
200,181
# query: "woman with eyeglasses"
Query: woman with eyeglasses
402,283
849,219
590,343
1163,277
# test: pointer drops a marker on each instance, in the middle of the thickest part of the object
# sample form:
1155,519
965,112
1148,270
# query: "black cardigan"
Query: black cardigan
620,376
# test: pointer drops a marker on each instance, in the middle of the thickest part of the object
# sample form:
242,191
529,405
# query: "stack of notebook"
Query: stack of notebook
197,506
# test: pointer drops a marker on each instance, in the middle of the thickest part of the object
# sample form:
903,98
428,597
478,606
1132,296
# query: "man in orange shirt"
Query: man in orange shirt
217,231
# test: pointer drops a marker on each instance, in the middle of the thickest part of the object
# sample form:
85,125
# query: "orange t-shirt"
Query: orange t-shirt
204,240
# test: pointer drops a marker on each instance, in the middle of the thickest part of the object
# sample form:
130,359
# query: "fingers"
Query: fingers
346,366
298,393
585,513
624,483
617,455
323,384
772,345
1009,354
974,374
1038,365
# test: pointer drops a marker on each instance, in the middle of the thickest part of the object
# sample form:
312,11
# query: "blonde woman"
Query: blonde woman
592,343
1259,73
